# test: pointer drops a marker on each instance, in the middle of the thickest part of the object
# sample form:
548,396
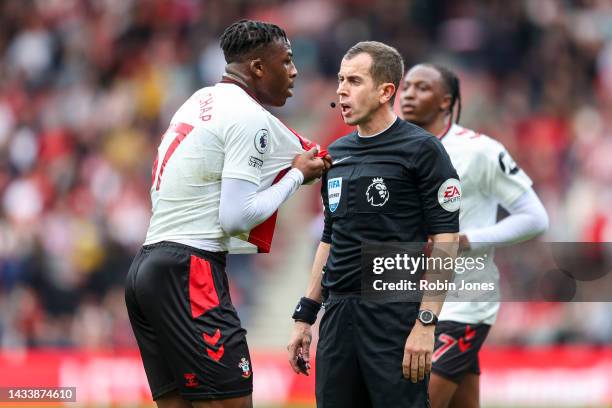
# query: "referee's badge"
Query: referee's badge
334,190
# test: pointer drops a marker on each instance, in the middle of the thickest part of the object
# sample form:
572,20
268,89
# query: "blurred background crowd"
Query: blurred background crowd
87,87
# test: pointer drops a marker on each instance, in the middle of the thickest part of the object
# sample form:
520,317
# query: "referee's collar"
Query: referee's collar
374,137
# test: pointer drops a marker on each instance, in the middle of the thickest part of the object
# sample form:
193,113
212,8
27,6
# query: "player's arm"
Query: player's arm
511,187
440,192
246,144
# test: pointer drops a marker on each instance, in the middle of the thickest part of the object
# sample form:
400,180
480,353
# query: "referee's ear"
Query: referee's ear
387,92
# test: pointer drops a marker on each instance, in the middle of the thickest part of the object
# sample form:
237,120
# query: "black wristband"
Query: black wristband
306,311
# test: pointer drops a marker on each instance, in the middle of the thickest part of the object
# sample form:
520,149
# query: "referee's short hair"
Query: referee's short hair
243,37
387,63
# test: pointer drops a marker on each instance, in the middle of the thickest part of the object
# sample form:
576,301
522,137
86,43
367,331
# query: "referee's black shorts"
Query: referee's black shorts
360,353
188,331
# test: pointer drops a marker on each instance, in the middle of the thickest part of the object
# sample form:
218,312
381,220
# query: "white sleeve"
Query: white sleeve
242,208
505,180
246,142
527,219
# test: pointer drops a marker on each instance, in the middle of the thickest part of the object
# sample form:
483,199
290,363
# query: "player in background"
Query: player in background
429,98
213,181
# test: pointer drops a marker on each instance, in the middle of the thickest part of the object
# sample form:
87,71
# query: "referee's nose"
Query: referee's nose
341,90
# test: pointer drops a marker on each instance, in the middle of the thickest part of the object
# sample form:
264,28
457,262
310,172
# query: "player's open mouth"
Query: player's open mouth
346,109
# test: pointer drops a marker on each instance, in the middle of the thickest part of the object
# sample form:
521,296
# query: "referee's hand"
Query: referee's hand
299,348
417,352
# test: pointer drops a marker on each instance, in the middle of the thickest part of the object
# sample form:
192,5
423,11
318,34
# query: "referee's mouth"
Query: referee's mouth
345,108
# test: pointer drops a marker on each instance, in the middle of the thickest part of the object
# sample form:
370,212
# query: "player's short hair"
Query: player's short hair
387,63
451,84
245,36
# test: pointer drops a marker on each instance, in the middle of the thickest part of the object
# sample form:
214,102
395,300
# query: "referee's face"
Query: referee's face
279,72
358,95
422,96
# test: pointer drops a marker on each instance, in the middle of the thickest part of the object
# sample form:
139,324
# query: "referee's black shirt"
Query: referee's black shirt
385,188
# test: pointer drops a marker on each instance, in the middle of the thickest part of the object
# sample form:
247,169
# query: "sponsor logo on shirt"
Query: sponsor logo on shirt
334,189
377,193
255,162
449,195
261,141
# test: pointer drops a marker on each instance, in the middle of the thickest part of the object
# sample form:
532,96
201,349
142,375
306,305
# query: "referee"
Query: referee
390,182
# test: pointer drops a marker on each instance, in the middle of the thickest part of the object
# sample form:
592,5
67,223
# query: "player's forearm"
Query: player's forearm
444,246
527,219
242,207
316,274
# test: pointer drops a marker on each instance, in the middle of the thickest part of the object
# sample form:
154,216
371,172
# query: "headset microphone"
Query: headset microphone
332,104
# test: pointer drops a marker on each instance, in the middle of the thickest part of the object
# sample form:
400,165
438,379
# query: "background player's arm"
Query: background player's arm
511,187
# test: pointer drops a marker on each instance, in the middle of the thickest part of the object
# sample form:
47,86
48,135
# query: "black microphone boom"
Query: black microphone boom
332,104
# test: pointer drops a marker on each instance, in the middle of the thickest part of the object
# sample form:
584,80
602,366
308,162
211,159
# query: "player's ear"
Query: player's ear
256,67
445,103
387,90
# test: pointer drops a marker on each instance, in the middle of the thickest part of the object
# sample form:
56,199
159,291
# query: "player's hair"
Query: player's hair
387,63
451,83
245,36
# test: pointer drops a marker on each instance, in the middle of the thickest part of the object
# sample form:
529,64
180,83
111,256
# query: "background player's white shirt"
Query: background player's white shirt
220,131
489,177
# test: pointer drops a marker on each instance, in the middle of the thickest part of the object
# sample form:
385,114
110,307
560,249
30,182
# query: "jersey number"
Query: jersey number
180,132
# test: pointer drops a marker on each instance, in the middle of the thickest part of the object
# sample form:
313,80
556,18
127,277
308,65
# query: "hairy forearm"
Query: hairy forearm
444,246
314,285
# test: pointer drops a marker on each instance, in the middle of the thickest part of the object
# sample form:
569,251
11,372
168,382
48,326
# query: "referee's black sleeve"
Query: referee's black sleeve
434,168
327,229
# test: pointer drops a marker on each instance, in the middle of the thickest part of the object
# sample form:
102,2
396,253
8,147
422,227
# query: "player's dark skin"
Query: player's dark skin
268,72
425,101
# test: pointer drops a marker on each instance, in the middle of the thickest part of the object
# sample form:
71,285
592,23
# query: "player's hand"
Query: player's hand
310,165
327,159
299,348
417,352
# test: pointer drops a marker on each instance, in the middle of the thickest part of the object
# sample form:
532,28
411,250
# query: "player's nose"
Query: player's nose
293,72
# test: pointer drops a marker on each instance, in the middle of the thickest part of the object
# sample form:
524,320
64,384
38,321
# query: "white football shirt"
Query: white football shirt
489,177
220,131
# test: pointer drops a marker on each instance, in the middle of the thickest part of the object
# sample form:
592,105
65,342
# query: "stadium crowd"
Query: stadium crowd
87,87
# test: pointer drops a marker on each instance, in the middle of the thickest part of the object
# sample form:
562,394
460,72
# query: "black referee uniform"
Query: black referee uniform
384,188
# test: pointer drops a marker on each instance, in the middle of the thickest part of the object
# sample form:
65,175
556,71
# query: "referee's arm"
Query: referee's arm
299,345
420,342
314,286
